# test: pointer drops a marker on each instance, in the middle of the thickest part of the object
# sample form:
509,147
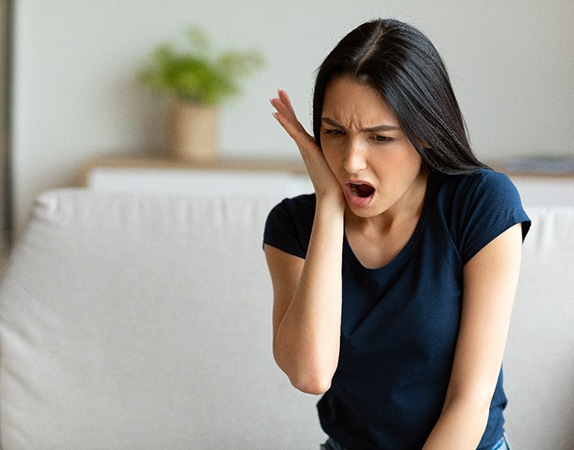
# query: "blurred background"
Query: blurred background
69,91
4,181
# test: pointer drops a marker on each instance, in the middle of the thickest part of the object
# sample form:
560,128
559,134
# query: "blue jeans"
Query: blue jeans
500,445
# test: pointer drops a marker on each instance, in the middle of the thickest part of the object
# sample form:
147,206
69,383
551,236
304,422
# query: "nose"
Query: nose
355,158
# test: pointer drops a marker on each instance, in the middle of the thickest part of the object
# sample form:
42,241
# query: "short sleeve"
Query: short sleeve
288,225
493,206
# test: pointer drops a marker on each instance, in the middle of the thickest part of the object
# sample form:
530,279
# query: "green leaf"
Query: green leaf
193,74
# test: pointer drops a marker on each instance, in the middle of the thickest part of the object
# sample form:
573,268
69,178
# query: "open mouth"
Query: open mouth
362,190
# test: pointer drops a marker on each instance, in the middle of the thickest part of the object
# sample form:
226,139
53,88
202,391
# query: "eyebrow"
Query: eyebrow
376,128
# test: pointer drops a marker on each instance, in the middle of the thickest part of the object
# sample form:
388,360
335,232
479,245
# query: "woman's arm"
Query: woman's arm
307,306
307,293
490,281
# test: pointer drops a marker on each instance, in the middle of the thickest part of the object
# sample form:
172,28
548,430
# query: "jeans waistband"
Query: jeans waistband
502,444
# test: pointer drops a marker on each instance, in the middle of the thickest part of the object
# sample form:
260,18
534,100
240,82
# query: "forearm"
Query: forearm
460,426
490,280
306,344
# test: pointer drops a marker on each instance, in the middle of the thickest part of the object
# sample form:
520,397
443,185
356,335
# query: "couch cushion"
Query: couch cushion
144,321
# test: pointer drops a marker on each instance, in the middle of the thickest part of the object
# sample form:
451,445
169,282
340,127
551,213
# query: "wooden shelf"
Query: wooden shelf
164,162
540,167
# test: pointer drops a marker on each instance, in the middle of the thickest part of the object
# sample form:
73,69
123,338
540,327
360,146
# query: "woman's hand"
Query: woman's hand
308,292
322,177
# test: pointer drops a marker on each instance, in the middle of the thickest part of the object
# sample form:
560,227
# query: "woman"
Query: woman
394,283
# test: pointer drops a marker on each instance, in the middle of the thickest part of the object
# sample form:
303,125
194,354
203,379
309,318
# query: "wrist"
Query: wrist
331,204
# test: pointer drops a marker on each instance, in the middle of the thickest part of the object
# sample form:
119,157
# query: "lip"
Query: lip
354,200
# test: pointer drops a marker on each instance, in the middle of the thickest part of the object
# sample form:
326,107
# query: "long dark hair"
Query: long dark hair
405,68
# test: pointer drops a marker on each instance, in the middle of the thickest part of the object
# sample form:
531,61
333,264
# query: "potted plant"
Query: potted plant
196,83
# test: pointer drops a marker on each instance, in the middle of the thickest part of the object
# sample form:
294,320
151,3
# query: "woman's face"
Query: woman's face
376,164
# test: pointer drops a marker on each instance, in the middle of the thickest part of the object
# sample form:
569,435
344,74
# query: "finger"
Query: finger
286,101
283,109
286,115
304,141
293,128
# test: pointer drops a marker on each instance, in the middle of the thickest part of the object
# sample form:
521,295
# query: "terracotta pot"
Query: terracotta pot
192,133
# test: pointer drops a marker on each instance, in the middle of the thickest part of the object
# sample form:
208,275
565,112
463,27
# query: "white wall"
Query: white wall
511,61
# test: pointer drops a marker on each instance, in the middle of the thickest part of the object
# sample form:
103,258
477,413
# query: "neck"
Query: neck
406,209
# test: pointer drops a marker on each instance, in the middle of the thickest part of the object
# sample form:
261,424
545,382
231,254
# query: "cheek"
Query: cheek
332,155
398,167
411,161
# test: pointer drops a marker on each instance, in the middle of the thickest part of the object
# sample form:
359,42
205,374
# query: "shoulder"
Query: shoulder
298,211
482,190
300,205
477,207
289,224
482,181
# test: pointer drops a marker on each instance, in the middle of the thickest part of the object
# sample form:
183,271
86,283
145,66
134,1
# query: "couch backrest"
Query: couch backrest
539,358
140,321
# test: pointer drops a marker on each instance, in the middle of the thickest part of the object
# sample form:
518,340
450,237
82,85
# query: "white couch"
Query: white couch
138,320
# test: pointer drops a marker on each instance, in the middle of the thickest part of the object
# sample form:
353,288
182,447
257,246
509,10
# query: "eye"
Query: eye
333,132
382,139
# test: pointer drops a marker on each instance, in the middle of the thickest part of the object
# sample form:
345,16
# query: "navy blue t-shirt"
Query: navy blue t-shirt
400,321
